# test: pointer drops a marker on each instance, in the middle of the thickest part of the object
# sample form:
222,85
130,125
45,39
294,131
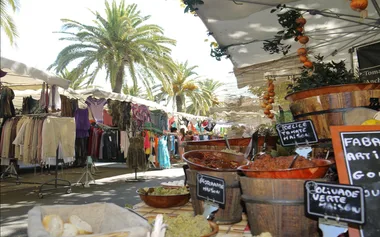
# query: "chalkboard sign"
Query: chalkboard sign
297,132
357,155
333,201
211,189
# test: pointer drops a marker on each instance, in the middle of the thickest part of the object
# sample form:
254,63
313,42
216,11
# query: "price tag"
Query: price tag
297,133
211,189
335,201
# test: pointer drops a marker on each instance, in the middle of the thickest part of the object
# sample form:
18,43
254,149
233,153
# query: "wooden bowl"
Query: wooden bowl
300,173
164,201
226,156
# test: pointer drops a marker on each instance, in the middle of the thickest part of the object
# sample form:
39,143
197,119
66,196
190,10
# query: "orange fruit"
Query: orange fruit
303,59
308,64
303,39
301,51
301,21
266,111
271,116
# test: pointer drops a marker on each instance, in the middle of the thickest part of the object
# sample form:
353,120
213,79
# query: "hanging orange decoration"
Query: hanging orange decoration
299,29
303,59
301,21
360,6
303,39
301,51
308,64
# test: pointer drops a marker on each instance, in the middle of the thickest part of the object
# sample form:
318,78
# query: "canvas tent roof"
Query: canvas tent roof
242,25
83,94
21,77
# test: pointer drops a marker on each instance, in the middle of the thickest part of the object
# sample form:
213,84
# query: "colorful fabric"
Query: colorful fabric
96,107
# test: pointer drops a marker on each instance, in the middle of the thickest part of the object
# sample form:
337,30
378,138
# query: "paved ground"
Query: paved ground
16,204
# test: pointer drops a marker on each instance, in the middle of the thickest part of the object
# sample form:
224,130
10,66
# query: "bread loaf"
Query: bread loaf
82,226
53,224
69,230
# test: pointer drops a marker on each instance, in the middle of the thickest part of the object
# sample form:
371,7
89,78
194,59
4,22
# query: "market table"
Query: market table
235,230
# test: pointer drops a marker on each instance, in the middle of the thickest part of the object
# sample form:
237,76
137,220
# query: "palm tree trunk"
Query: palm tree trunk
179,102
119,80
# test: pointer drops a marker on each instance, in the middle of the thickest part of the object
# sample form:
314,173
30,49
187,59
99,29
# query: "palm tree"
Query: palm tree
185,90
77,81
122,43
209,89
212,86
7,23
134,91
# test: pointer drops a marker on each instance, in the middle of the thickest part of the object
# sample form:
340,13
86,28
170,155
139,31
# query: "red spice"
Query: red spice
268,163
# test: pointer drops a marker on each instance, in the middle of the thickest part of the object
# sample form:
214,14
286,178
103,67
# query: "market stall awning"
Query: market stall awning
21,77
83,94
241,26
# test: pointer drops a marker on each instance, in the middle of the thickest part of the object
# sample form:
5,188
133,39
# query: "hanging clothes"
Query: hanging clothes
58,131
120,113
96,108
141,115
103,143
68,106
54,99
163,153
82,123
159,119
31,106
124,143
7,108
136,158
82,133
107,118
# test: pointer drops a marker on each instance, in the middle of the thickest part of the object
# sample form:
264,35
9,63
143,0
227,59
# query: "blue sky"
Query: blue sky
38,46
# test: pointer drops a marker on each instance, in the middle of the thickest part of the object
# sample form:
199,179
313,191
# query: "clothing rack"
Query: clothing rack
55,180
65,183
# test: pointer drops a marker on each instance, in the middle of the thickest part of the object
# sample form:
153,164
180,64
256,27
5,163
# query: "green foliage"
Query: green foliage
77,81
217,51
280,89
323,74
190,5
188,92
287,20
121,42
6,20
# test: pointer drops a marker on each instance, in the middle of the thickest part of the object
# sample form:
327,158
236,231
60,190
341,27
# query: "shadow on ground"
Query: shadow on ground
16,204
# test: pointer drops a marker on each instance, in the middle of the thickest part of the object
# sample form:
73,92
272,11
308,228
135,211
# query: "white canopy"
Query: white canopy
242,25
21,77
83,94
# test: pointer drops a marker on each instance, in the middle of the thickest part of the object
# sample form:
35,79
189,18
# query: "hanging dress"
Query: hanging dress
163,153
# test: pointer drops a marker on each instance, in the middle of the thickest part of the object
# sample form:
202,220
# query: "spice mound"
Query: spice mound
268,163
161,191
214,162
186,225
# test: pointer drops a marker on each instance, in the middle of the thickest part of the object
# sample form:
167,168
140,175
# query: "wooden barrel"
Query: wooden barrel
237,144
325,106
232,212
277,206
